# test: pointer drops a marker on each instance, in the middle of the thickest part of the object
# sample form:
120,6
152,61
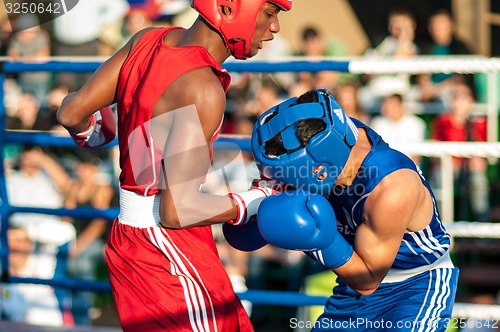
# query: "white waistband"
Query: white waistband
397,275
137,210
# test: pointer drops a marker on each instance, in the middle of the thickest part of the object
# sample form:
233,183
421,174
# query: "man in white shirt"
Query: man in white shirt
83,23
396,126
77,32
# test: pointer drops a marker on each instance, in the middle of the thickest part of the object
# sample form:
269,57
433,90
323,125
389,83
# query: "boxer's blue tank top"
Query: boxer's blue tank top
417,248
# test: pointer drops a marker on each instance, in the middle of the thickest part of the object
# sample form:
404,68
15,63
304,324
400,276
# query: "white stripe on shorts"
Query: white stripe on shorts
199,278
440,293
193,295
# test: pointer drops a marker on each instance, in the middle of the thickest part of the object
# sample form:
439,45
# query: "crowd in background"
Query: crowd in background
402,108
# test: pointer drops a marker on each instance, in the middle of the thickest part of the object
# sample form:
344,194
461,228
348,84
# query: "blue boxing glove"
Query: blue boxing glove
303,221
244,237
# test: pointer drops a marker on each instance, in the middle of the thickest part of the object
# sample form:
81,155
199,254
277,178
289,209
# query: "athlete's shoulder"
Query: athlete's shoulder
403,179
397,192
199,87
201,83
134,40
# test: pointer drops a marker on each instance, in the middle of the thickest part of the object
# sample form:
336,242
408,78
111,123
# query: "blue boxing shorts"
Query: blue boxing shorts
421,303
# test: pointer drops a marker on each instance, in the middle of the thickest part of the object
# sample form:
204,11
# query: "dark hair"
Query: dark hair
396,96
441,11
306,129
309,32
29,147
402,11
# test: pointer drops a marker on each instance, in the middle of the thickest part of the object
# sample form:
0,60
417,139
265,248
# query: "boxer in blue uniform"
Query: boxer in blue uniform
360,208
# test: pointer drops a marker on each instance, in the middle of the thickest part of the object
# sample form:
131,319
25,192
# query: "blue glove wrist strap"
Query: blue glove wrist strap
335,255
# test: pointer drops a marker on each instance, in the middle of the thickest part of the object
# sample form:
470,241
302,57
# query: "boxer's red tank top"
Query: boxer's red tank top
146,73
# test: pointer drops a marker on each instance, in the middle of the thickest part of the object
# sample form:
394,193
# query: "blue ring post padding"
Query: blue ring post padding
50,139
4,210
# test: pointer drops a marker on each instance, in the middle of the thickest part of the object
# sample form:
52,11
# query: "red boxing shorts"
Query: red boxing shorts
171,280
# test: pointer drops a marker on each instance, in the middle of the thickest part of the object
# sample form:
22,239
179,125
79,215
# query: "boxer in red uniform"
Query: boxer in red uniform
169,87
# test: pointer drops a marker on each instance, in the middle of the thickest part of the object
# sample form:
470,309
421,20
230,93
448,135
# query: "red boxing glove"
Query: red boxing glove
101,130
248,202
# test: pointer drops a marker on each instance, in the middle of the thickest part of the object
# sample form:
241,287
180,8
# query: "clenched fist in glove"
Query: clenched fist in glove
299,220
101,130
248,202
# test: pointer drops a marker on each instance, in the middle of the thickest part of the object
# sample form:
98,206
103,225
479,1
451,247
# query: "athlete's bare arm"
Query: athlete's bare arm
98,91
187,150
399,203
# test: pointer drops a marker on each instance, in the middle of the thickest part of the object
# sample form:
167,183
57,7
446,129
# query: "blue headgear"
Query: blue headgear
329,148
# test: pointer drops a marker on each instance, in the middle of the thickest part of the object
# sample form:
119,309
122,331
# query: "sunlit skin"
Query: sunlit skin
441,29
267,24
392,108
402,26
318,169
20,249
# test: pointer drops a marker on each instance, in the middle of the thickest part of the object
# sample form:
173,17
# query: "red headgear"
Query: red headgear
238,25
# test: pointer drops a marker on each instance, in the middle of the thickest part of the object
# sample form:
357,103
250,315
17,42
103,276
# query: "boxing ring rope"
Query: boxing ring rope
443,150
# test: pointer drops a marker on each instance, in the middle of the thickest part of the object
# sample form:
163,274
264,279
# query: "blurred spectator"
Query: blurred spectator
277,50
78,31
12,93
135,21
169,9
24,113
443,41
150,7
300,87
31,303
459,124
46,119
346,95
266,97
398,44
315,44
30,43
90,188
400,41
396,126
39,182
5,35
